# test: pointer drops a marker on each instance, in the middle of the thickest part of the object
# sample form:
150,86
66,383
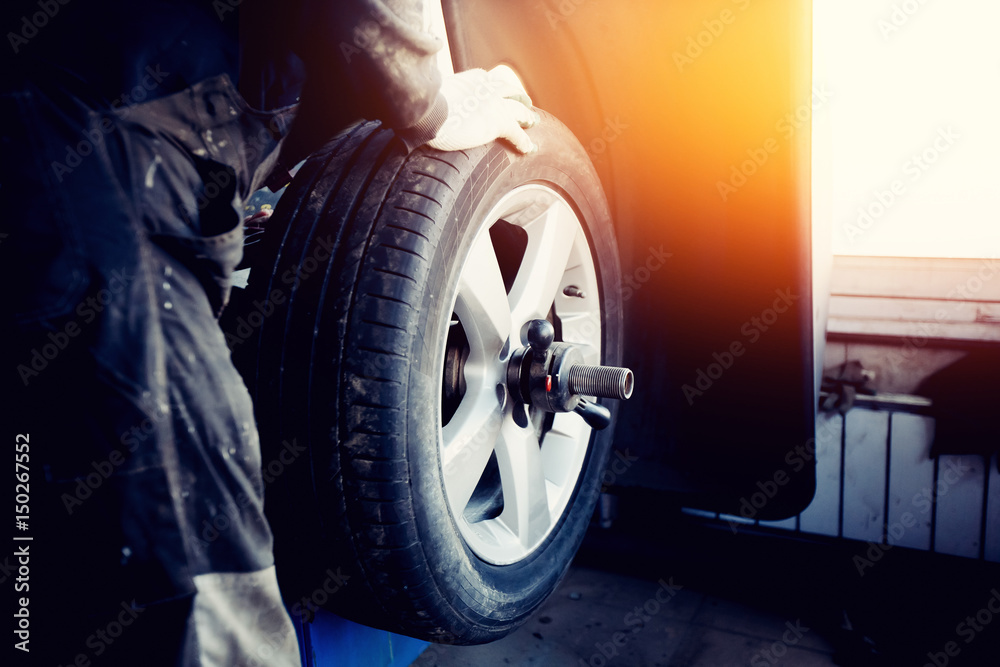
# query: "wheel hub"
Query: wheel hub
552,377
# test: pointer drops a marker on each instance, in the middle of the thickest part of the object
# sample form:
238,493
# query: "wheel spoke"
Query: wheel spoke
550,242
526,509
482,304
583,330
469,439
564,450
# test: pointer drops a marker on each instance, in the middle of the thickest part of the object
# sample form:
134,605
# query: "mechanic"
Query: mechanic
127,155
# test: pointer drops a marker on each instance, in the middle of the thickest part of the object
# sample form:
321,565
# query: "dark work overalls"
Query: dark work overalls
127,154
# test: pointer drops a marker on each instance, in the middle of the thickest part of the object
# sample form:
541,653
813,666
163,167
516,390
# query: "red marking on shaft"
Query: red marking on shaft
548,383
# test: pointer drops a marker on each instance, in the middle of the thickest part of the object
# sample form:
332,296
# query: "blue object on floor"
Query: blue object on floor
332,640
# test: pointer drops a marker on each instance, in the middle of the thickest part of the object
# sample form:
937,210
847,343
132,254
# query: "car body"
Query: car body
697,119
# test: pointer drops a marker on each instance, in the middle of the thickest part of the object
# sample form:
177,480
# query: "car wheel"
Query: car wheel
416,488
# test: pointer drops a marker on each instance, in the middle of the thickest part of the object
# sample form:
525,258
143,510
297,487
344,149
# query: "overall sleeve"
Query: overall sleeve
366,59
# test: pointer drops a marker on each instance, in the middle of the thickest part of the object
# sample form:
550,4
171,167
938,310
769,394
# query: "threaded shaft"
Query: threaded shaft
601,381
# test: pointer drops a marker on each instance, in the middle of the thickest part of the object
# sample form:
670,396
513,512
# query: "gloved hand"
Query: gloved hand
483,106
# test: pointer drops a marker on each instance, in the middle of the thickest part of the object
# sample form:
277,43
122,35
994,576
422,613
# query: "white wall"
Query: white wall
904,74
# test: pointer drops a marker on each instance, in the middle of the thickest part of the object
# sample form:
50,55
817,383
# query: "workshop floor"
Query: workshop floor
597,618
662,591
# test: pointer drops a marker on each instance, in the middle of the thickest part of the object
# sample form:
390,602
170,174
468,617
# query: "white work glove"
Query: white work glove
483,106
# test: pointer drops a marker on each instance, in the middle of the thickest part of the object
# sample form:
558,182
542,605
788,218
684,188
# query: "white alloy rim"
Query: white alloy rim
507,486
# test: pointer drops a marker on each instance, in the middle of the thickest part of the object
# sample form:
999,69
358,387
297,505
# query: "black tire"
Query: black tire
354,290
